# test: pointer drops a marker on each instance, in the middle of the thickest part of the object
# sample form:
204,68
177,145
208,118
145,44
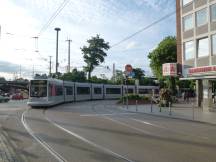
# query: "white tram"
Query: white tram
49,92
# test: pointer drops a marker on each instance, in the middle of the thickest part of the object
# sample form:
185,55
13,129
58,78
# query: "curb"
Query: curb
171,117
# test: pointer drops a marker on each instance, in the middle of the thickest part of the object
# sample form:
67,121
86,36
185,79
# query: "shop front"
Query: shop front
205,86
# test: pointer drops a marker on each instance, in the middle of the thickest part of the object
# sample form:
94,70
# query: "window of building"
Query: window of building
201,17
83,90
188,50
214,44
188,22
203,47
213,12
185,2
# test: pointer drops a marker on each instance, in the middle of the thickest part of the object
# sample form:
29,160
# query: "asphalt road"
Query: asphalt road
99,132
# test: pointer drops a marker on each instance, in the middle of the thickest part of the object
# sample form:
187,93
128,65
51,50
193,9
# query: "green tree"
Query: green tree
119,77
94,54
2,79
139,73
164,53
75,76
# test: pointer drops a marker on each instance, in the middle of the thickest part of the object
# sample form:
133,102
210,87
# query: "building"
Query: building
196,47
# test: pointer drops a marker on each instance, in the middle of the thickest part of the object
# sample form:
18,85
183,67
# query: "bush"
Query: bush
135,97
165,97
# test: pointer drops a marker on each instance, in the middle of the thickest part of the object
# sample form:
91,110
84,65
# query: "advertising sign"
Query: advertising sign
202,70
129,71
169,69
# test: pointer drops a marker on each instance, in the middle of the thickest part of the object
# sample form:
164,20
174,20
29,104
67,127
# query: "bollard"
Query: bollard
160,108
136,106
193,110
151,106
170,112
127,102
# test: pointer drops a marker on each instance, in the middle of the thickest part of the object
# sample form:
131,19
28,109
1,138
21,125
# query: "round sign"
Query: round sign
128,68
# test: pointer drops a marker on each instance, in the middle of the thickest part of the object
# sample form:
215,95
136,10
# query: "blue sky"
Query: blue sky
79,20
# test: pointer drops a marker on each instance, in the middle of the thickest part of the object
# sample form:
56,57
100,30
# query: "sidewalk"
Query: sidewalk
180,110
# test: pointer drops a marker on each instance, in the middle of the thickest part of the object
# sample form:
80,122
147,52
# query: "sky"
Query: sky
21,20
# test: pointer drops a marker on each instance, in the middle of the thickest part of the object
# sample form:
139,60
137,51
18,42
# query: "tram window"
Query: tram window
130,90
113,91
83,90
38,88
97,91
69,90
145,91
59,91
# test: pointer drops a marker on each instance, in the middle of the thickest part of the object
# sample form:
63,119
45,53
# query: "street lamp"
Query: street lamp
57,64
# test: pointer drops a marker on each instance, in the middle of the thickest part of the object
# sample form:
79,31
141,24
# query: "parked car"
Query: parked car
4,99
17,97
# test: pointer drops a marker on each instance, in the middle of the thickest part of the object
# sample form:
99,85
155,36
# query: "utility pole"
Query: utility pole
114,73
36,44
50,65
69,41
20,71
33,72
57,64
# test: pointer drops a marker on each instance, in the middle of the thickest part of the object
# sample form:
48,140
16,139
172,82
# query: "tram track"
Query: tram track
45,145
54,153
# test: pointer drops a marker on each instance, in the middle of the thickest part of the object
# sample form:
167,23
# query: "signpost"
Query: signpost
128,74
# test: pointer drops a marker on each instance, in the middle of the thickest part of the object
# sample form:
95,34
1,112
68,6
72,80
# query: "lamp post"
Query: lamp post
57,64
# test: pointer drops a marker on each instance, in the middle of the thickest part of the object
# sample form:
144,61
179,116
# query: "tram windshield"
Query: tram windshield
38,88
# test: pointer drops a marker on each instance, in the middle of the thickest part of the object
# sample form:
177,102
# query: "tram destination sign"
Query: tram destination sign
207,70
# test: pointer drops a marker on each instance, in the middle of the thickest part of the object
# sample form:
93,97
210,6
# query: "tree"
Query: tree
75,76
2,79
119,77
164,53
94,54
139,73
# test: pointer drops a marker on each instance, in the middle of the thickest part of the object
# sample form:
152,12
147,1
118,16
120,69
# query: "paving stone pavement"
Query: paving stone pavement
7,153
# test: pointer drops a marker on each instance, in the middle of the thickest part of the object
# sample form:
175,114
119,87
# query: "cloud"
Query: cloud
79,20
131,45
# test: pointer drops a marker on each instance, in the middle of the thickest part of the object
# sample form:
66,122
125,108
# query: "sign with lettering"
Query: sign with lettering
202,70
170,69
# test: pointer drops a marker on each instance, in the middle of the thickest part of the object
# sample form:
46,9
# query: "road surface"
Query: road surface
96,131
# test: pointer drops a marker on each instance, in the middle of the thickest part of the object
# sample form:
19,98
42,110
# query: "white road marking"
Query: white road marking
90,142
129,126
39,140
171,130
111,114
147,123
